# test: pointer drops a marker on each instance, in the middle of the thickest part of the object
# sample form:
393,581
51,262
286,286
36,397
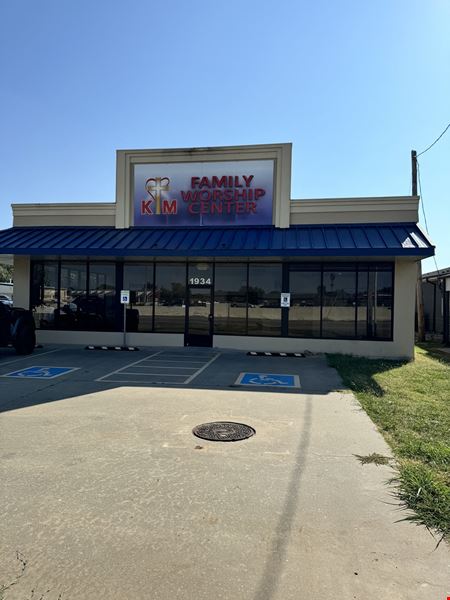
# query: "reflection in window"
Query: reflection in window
357,300
264,289
304,313
339,302
380,304
230,299
170,292
44,294
375,290
361,303
73,294
139,280
200,274
100,305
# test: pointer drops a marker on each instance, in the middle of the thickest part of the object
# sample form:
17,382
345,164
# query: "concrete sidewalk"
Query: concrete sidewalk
108,495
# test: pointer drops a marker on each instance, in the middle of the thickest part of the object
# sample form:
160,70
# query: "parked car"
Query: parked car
6,300
17,329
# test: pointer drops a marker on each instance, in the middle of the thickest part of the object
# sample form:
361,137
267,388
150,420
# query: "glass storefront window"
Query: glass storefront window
44,294
379,313
139,280
336,300
304,313
230,299
361,304
73,293
375,297
200,274
170,294
339,303
100,304
264,289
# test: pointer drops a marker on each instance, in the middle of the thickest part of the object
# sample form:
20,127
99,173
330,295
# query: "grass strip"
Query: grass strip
410,404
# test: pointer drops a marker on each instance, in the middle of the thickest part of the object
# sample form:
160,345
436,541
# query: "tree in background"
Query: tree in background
6,272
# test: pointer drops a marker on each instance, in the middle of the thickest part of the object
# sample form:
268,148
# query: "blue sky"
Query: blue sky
354,85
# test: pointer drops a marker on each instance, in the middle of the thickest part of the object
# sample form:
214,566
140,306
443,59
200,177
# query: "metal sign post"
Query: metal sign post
125,300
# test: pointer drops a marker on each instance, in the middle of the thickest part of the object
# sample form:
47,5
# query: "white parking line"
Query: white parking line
151,372
163,367
10,362
164,359
194,375
127,366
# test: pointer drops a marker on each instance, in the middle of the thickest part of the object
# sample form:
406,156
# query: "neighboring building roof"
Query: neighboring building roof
437,274
366,240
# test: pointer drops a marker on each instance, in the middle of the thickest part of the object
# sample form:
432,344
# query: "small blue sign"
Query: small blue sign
268,379
40,372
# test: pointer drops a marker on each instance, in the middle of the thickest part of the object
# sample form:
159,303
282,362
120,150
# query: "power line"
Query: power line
423,207
435,141
421,197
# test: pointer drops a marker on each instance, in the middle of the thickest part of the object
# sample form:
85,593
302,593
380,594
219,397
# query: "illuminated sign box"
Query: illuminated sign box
215,186
204,193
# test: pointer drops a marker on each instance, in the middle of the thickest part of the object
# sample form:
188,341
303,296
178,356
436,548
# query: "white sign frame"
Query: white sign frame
124,296
285,300
280,153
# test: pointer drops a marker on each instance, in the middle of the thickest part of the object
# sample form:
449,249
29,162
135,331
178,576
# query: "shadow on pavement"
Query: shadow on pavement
316,377
273,569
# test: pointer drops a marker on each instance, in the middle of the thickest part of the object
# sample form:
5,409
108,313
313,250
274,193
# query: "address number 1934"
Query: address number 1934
200,280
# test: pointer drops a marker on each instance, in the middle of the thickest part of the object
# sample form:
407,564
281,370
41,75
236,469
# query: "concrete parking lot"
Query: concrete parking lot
106,493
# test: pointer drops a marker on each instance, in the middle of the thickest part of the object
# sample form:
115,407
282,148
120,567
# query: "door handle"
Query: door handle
210,317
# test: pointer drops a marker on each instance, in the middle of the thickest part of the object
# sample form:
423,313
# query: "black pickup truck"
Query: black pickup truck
17,329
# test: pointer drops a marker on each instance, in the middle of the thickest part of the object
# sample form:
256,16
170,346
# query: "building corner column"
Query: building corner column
21,279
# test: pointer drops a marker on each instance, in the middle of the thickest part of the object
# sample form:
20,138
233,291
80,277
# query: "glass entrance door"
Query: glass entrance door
199,318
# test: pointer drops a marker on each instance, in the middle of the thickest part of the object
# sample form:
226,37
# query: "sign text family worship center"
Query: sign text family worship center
204,193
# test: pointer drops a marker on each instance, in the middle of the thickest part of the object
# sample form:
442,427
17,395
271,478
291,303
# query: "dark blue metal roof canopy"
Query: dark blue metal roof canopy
365,240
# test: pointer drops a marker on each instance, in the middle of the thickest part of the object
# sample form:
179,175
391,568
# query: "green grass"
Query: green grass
410,404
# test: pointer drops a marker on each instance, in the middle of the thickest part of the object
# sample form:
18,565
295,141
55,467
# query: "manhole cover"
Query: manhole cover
223,431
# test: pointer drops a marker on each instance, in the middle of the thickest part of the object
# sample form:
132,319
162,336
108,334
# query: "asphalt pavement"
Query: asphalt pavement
106,492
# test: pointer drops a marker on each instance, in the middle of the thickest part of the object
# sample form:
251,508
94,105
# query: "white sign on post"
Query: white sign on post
285,300
125,297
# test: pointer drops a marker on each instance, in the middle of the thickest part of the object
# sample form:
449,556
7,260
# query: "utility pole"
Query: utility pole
419,290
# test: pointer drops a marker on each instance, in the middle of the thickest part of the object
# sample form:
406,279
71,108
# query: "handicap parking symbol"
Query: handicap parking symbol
269,380
40,372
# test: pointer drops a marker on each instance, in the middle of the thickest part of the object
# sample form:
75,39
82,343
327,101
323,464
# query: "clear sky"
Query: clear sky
355,85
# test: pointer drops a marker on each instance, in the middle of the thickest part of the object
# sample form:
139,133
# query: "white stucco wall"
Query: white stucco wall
22,281
109,338
404,307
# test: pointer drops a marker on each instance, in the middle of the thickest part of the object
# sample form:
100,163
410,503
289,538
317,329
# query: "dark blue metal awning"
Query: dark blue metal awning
365,240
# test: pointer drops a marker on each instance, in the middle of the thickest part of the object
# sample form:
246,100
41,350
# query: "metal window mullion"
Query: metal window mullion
356,301
187,300
153,294
119,281
88,275
285,287
58,283
321,301
246,300
213,296
392,299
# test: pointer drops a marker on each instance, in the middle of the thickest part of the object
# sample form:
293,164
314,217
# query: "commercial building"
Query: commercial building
436,304
215,252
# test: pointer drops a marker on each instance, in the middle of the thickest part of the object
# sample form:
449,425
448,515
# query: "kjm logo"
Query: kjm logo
154,186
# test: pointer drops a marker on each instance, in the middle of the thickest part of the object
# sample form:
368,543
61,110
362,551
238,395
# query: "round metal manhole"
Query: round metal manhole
223,431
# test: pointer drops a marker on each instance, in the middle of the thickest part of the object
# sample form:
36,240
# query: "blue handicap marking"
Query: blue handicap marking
268,379
40,372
